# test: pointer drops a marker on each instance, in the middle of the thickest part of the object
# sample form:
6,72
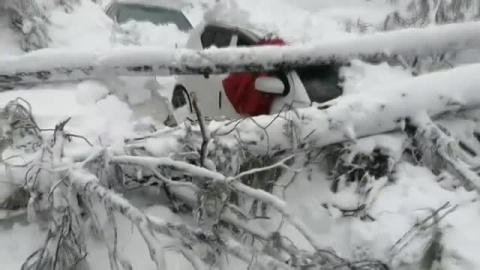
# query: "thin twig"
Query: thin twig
203,129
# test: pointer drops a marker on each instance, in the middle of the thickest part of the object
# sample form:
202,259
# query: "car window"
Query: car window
155,15
216,36
222,39
110,11
208,39
244,40
322,82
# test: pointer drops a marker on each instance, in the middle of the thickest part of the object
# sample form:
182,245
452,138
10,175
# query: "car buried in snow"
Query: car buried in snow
296,88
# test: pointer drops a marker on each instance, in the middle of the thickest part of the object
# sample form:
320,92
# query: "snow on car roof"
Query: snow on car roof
228,13
175,4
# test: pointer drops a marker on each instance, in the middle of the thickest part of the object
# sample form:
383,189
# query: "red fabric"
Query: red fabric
241,92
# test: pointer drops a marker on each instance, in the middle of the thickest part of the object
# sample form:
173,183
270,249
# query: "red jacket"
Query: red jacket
241,92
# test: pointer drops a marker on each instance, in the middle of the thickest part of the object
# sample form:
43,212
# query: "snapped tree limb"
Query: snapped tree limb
88,185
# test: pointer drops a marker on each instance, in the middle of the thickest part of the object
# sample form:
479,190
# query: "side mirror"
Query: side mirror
270,85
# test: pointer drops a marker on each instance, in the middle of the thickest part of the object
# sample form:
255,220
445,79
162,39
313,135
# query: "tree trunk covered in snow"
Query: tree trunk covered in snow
347,117
67,65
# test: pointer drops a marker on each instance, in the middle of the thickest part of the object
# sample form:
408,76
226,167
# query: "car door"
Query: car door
208,88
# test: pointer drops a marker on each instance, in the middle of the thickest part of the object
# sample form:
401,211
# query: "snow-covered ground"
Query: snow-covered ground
106,119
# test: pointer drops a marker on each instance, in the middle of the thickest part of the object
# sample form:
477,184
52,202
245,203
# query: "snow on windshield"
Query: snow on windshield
155,15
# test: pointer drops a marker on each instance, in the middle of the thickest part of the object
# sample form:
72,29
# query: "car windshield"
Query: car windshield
155,15
321,82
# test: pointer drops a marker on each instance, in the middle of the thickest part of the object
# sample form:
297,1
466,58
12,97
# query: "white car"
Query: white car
298,88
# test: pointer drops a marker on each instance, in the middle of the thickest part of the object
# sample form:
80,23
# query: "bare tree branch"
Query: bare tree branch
203,129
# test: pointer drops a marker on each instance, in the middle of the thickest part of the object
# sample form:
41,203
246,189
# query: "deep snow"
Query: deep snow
106,119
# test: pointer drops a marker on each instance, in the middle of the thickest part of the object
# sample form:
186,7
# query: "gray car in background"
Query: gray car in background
142,93
156,12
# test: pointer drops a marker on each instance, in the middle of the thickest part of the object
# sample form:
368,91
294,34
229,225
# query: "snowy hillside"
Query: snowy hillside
377,178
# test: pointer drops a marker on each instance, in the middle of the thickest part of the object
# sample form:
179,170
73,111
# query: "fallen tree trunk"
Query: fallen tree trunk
54,65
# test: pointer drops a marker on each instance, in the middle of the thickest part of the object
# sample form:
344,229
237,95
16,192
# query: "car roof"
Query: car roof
194,41
255,33
238,28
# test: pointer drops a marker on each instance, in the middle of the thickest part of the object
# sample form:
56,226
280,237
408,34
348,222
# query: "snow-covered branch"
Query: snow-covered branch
435,139
52,65
231,182
64,246
88,184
